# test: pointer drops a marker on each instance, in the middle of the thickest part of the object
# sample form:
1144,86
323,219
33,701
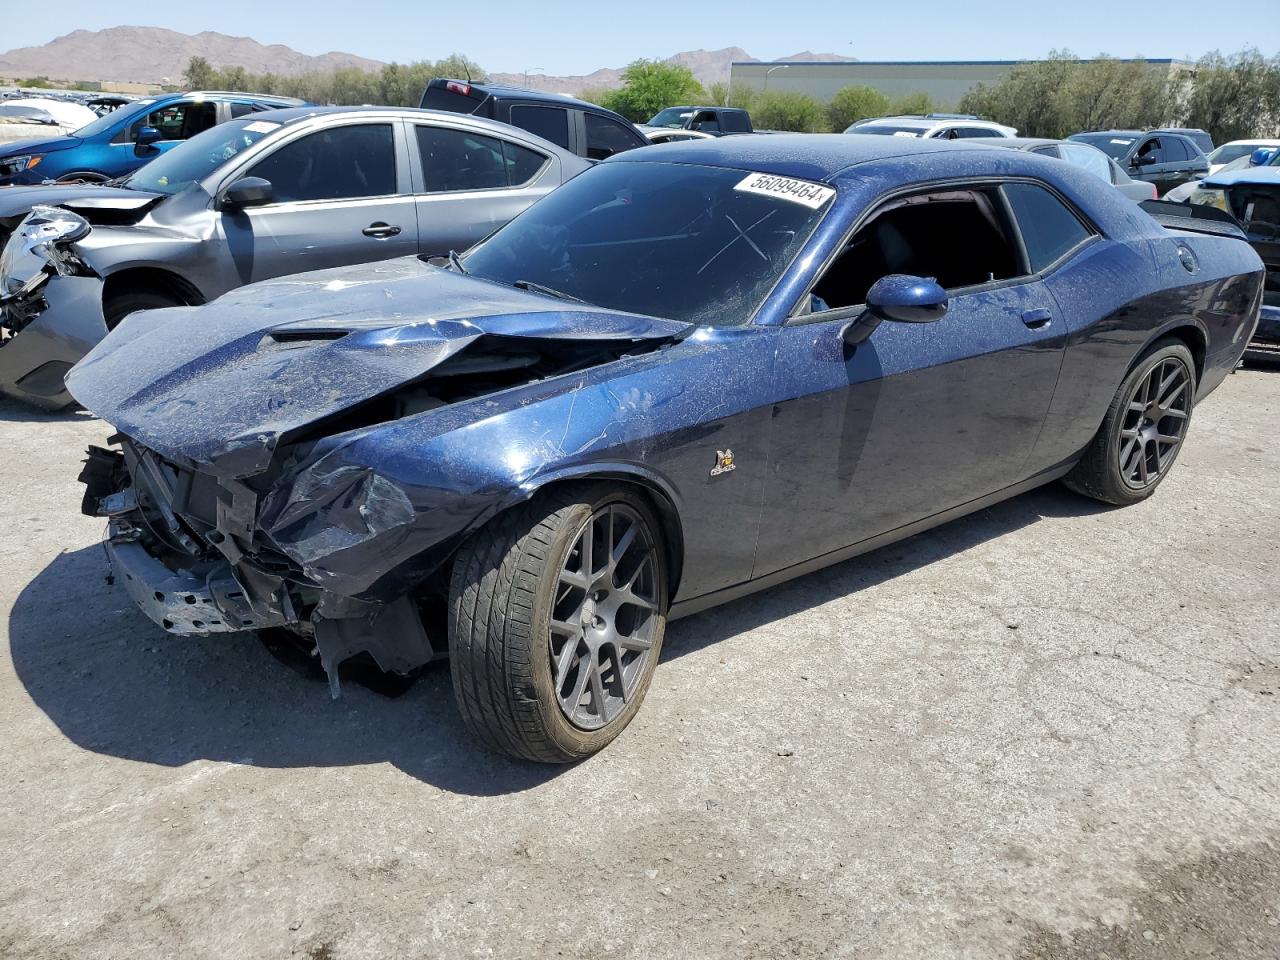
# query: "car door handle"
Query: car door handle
1037,318
380,230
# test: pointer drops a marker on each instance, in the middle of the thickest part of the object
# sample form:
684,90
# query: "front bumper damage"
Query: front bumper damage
175,541
45,334
50,306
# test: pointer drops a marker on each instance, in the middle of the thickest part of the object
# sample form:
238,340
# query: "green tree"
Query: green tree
1027,98
787,110
38,83
854,103
722,95
911,103
1234,97
651,85
1063,94
395,84
199,74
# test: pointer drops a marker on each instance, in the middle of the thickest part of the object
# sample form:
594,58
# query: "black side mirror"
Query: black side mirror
1145,160
247,192
147,136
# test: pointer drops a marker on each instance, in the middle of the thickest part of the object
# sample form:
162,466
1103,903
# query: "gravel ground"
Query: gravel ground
1048,730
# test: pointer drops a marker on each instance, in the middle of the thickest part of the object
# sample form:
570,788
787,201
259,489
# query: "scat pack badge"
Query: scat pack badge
724,463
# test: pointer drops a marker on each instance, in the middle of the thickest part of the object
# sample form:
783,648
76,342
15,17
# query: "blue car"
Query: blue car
1252,196
692,372
119,142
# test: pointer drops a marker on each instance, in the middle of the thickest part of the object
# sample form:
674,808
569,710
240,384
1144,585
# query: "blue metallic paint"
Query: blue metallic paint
836,450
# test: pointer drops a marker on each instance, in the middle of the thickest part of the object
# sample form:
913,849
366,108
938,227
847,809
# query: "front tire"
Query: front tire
121,305
557,610
1139,440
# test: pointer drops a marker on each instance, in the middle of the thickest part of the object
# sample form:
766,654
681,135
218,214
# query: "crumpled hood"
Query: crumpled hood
17,148
1260,176
18,201
218,386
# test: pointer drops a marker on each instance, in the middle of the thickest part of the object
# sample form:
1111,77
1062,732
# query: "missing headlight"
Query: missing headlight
36,249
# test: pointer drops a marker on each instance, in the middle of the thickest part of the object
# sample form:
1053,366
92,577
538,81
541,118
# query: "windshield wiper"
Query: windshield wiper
456,261
549,291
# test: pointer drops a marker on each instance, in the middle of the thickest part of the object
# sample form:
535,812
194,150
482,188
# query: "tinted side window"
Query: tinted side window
244,109
523,164
1154,149
175,121
1049,228
1176,150
338,164
460,160
606,137
549,123
968,132
706,120
734,121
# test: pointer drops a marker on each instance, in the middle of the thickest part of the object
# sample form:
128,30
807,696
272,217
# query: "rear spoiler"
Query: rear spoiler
1193,217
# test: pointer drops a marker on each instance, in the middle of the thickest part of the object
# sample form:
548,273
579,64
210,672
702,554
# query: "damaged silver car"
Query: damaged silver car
276,193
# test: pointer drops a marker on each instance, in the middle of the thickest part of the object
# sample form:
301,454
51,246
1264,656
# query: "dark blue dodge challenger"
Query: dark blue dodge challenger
695,371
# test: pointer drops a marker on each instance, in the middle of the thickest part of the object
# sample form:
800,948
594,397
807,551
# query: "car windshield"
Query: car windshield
1113,146
887,129
699,244
671,117
109,121
1233,151
195,159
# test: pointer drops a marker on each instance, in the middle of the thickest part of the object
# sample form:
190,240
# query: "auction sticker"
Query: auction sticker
811,195
260,126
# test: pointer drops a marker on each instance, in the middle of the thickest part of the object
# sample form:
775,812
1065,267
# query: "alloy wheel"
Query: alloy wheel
1154,423
604,618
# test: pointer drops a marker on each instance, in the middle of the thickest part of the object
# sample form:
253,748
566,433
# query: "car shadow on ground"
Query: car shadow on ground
116,684
15,411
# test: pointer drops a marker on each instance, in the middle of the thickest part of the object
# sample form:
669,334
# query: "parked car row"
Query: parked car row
121,141
519,437
266,195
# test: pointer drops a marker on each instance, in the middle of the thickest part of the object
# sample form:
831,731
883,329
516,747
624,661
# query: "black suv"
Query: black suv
1161,158
584,128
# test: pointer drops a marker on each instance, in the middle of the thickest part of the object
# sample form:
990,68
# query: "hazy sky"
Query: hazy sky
575,37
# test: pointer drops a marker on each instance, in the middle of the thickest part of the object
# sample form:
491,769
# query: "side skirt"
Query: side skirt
685,608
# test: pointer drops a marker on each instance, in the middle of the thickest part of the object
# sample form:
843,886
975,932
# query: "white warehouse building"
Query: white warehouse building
945,81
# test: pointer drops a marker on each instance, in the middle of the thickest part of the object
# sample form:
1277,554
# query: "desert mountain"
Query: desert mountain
155,55
709,66
150,54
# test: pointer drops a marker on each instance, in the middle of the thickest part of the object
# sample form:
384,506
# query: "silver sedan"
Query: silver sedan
277,193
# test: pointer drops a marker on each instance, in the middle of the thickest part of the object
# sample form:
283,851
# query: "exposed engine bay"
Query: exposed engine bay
285,536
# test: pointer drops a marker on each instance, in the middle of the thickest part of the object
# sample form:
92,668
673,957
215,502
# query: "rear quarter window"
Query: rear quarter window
605,137
549,123
1050,230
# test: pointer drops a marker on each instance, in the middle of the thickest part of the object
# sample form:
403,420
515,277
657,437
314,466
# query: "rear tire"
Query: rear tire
554,637
1143,431
118,307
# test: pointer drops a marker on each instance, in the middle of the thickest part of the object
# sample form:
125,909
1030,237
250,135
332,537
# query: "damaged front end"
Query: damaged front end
315,473
174,540
35,352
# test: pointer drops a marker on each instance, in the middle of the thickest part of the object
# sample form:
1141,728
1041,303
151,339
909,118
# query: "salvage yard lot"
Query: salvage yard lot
1047,730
